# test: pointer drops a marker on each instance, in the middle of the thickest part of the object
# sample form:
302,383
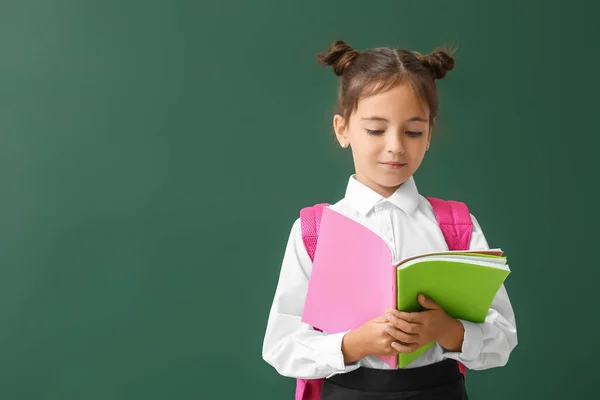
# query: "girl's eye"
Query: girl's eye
374,132
413,134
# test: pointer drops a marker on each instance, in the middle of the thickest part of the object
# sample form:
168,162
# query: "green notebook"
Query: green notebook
463,283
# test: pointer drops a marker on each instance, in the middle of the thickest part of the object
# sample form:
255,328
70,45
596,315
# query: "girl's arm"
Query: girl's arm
488,344
292,347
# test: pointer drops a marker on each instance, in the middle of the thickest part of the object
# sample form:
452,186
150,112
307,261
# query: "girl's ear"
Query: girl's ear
339,126
428,139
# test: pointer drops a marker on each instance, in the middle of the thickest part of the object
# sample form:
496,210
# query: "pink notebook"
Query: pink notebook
339,274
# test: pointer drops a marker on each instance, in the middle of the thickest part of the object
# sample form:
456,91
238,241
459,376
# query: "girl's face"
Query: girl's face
389,134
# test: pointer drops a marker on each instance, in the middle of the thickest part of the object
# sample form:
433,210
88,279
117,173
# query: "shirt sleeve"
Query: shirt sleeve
488,344
291,346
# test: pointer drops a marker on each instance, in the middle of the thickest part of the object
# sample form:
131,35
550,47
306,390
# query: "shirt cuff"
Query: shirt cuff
330,350
472,342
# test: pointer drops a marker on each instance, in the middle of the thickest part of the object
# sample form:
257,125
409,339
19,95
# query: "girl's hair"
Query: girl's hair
379,69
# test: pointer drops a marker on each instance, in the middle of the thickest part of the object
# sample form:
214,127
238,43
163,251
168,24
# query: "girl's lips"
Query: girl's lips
393,165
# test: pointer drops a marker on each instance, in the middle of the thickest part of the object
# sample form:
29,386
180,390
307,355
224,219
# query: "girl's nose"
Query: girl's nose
395,144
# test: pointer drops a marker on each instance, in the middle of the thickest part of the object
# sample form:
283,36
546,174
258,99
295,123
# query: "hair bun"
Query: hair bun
339,56
439,62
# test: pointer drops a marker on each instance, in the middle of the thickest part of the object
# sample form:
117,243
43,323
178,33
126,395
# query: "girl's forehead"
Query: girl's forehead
397,101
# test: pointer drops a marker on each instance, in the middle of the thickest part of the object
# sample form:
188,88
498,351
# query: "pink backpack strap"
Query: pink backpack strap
310,221
454,220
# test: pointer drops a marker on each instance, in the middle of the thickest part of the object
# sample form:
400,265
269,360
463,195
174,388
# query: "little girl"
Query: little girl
386,110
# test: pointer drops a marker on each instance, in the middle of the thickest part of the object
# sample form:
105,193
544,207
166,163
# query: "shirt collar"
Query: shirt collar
363,198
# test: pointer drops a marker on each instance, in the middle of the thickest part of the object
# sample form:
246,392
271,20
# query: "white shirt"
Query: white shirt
407,220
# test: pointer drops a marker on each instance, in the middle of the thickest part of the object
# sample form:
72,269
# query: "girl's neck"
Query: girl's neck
385,191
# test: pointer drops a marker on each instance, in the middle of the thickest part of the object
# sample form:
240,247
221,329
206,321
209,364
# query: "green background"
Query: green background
154,155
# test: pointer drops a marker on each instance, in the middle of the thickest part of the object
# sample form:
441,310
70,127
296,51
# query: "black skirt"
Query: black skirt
440,381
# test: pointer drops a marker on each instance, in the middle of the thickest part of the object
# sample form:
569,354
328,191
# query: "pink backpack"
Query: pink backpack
454,220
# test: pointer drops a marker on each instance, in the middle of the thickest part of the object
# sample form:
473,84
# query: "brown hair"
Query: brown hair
380,69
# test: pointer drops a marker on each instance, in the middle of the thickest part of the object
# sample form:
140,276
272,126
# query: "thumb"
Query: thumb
427,303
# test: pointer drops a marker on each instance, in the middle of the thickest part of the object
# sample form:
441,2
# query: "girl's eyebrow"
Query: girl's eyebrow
376,118
417,118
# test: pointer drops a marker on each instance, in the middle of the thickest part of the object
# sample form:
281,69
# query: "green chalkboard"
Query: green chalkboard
154,155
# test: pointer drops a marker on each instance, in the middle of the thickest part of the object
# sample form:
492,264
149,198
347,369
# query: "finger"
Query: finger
404,326
393,312
404,347
428,303
399,317
381,318
401,336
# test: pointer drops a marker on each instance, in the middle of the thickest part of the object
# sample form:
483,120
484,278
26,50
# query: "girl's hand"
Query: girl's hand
417,329
373,339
